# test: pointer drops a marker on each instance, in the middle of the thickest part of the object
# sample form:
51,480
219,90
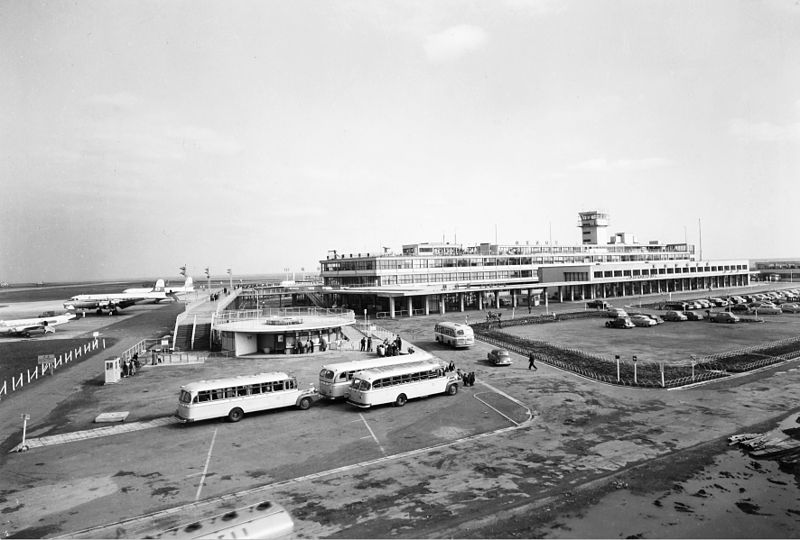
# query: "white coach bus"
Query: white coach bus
235,396
454,334
334,379
397,384
264,520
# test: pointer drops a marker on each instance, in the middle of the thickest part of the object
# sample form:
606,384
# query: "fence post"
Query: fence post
616,357
662,375
635,381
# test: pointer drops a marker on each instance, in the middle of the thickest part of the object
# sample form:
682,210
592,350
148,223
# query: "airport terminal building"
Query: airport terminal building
443,277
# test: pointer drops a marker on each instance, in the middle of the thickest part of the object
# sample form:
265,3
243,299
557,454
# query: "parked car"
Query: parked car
692,316
724,317
766,310
674,316
499,357
704,304
675,306
599,304
740,308
617,313
738,299
620,322
790,308
642,320
761,304
656,318
719,302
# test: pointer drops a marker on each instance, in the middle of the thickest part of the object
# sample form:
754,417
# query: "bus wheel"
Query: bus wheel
401,400
305,403
235,415
452,390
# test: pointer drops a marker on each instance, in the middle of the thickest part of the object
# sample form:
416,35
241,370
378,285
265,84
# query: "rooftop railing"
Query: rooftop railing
265,314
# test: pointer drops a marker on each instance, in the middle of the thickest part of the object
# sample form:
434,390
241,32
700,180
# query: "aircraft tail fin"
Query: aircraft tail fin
159,286
189,285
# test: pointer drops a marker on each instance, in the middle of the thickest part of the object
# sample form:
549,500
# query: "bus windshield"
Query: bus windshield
360,384
326,374
185,397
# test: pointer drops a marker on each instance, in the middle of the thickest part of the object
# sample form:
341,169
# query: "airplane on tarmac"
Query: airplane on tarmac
27,327
111,303
188,286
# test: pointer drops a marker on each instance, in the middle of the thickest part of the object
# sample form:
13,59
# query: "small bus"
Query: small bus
397,384
334,379
263,520
454,334
235,396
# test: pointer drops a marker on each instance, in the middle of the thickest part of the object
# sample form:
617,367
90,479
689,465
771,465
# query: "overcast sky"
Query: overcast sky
257,135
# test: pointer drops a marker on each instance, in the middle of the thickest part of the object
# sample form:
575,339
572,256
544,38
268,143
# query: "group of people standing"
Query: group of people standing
389,347
130,365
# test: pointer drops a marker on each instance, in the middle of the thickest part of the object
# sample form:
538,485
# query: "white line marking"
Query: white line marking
495,410
205,469
373,434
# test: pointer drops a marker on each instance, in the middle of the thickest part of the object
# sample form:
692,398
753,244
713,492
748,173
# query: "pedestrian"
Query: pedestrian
399,343
471,378
125,367
131,368
529,309
369,344
531,364
451,366
363,344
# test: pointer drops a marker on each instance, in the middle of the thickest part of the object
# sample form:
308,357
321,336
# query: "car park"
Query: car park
724,317
692,316
499,357
617,313
620,322
790,308
674,316
642,320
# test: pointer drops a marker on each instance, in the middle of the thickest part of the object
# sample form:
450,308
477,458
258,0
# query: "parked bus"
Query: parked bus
397,384
235,396
454,334
334,379
264,520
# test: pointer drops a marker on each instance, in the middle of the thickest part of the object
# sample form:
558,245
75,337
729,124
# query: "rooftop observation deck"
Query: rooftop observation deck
271,321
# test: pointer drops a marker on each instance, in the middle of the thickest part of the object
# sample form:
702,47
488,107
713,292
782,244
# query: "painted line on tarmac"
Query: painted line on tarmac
198,505
372,433
495,410
205,469
63,438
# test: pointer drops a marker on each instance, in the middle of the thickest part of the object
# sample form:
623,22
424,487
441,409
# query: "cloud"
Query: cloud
604,165
204,140
454,42
764,131
122,100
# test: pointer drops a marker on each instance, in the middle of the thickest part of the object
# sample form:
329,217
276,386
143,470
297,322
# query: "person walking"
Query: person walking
531,364
363,344
369,344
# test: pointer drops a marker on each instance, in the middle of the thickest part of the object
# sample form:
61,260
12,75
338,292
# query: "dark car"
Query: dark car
692,316
599,304
740,307
499,357
621,322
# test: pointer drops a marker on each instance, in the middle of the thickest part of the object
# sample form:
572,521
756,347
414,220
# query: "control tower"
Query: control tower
593,227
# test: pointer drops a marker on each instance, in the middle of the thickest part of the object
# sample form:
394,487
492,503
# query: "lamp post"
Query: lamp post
208,277
230,279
